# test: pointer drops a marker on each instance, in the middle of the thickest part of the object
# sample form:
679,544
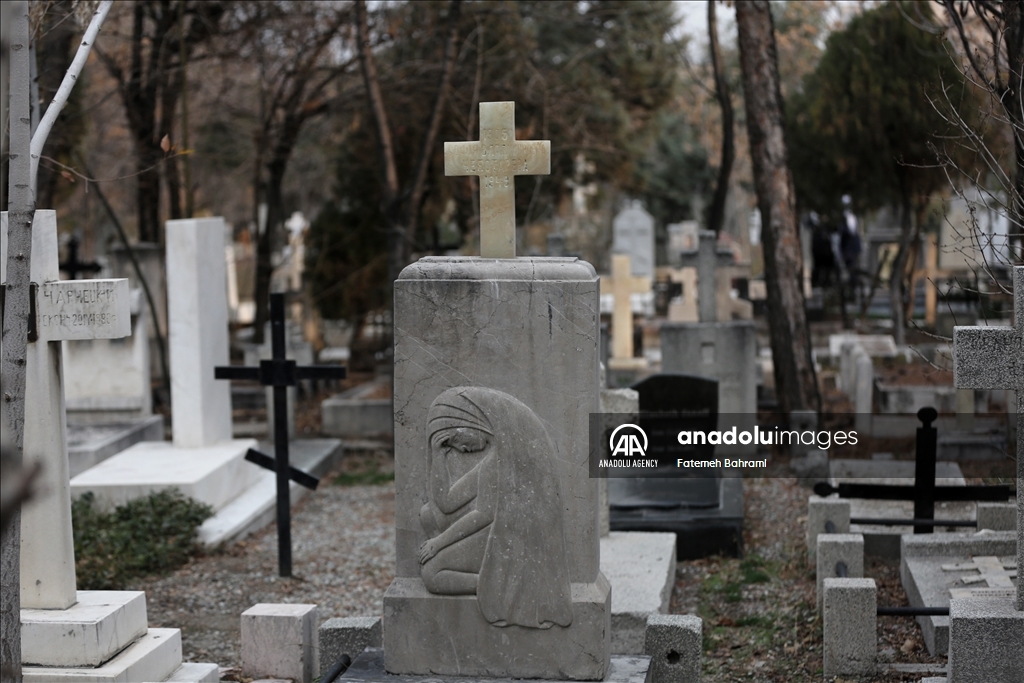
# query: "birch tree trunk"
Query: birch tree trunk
795,381
21,209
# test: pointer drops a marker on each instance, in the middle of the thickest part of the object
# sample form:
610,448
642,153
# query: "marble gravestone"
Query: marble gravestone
633,235
496,373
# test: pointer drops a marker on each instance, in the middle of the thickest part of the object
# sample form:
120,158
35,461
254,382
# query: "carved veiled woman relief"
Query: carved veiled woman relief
493,518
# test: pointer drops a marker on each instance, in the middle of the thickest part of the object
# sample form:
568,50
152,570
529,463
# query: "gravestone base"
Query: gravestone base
369,668
700,531
418,626
641,568
928,585
156,656
91,631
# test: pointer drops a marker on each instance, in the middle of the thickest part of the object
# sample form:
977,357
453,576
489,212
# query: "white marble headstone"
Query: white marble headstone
633,235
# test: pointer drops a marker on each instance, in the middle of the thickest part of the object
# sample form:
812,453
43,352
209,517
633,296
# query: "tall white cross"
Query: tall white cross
497,158
993,358
70,309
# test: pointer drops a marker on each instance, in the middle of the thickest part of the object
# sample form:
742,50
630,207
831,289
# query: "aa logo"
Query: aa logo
626,441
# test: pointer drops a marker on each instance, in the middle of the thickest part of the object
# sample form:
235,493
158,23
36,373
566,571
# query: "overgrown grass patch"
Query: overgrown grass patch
151,535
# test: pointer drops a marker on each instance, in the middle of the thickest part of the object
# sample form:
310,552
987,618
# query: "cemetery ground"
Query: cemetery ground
759,616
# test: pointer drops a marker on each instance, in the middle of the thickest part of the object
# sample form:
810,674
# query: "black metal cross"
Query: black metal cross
73,267
281,373
924,492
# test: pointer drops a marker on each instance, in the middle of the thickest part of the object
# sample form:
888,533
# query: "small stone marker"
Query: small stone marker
79,309
993,358
497,158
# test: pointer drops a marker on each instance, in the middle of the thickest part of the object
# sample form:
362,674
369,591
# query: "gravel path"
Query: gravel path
343,557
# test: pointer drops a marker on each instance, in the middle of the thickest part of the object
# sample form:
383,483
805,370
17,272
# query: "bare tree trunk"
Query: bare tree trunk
396,234
795,381
21,211
716,214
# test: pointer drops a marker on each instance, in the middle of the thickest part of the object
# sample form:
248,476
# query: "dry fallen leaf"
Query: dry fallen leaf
908,646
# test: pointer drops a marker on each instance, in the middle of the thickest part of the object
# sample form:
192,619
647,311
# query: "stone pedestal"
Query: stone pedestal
985,638
501,358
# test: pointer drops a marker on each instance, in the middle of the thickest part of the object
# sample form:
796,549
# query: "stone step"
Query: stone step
153,657
190,672
215,475
98,626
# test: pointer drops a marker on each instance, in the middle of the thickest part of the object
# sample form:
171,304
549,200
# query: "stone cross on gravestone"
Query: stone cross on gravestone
707,259
993,358
497,158
72,309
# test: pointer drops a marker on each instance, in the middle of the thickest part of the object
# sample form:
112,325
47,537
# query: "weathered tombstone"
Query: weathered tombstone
495,376
89,309
633,235
986,633
993,358
705,512
68,634
203,460
707,259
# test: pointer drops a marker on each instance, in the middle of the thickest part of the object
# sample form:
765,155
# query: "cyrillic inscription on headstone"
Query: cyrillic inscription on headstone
83,309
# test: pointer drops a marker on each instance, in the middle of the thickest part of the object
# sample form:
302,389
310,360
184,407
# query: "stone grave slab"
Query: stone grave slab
368,667
876,345
884,541
91,444
359,412
933,568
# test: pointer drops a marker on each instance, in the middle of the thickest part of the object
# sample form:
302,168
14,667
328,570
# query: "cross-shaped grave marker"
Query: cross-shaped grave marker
60,310
281,373
623,285
924,492
707,259
993,358
73,266
497,158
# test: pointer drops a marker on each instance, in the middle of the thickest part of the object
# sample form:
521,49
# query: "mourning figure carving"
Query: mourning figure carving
494,514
